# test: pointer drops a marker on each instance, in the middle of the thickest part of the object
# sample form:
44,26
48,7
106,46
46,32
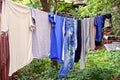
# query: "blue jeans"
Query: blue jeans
69,48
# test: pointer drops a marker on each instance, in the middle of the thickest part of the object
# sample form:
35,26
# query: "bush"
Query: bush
100,65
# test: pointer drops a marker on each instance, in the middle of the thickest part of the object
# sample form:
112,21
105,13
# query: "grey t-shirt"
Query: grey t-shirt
41,34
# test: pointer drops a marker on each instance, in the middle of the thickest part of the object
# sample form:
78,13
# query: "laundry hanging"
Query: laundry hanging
99,24
79,43
69,47
41,34
56,44
16,20
85,25
92,34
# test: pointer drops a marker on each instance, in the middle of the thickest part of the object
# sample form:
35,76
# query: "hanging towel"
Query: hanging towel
92,34
16,20
41,34
85,34
56,44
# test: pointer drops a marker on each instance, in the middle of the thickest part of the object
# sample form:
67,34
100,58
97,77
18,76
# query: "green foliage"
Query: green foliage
93,73
36,3
95,7
100,7
116,18
63,7
100,65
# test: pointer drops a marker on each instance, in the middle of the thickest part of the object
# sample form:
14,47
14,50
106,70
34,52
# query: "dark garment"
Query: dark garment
78,50
4,58
99,24
108,16
97,43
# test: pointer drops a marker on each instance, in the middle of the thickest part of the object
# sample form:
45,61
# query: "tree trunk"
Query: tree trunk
45,5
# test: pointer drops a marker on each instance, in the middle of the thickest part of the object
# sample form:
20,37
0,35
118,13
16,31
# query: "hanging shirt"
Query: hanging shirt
41,34
16,20
99,24
56,37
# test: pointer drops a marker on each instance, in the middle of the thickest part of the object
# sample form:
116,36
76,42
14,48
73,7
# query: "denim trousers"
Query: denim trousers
68,49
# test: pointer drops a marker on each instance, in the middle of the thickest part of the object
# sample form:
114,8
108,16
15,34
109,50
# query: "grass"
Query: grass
100,65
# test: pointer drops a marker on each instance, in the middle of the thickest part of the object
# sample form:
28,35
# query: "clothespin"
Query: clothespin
31,4
3,34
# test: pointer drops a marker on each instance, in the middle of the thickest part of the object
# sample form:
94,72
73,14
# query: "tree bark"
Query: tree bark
45,5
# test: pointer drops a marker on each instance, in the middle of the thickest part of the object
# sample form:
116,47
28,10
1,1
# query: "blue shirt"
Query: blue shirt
56,37
99,24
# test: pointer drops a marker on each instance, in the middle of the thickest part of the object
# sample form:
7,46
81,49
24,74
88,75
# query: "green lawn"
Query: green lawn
100,65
